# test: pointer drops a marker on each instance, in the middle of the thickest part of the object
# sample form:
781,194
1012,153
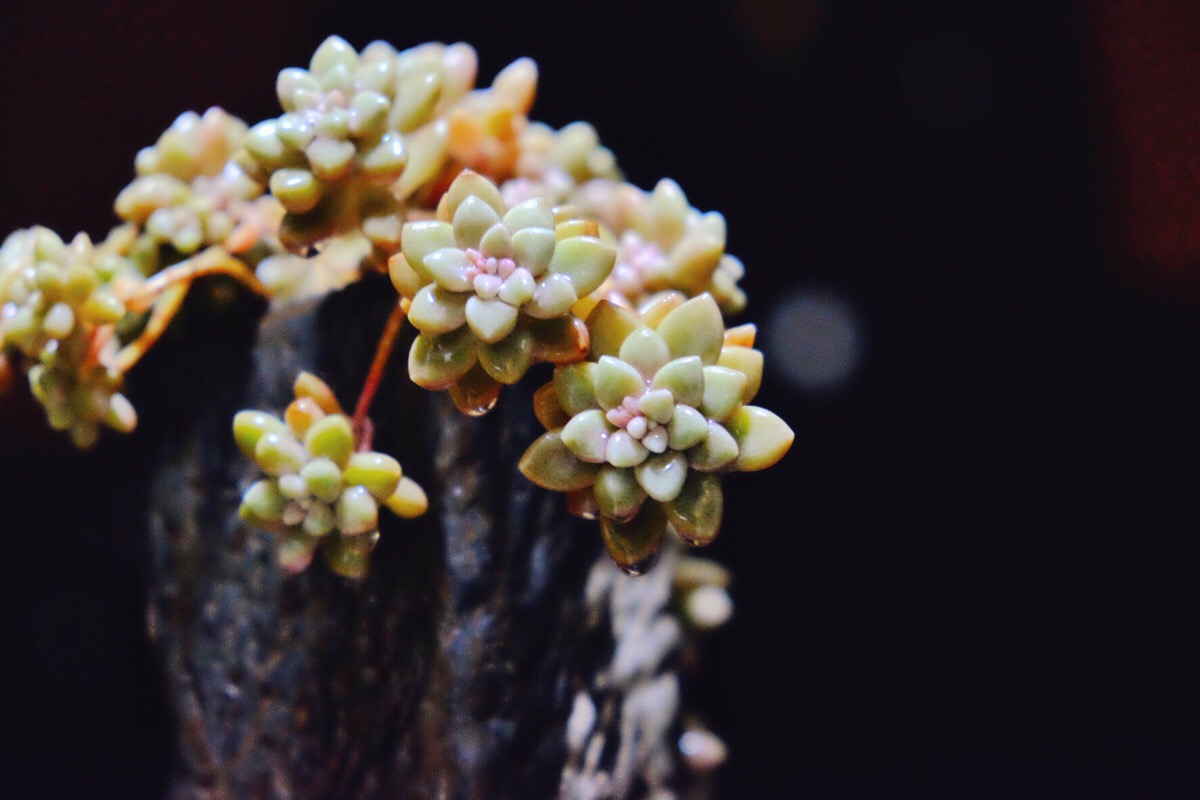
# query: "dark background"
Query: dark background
972,232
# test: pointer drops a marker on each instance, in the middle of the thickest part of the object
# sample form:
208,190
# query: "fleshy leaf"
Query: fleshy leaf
534,213
473,218
687,428
586,260
436,362
249,427
695,329
616,380
547,408
618,493
533,248
435,310
656,310
624,451
378,473
496,242
662,476
475,393
560,341
491,320
409,499
550,465
633,545
762,438
447,266
508,360
696,512
747,361
574,387
658,405
472,184
331,438
723,388
554,297
609,325
645,350
419,239
586,435
718,449
685,378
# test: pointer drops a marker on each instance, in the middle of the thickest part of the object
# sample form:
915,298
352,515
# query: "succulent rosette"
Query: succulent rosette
664,245
640,433
552,163
492,289
58,305
330,157
189,195
483,132
319,490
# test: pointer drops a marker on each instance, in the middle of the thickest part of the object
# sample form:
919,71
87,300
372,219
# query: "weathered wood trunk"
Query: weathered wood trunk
449,672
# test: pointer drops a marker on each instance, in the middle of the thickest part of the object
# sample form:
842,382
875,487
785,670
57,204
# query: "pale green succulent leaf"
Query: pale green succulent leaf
586,435
554,296
662,476
435,310
695,329
533,247
687,428
645,350
762,438
331,438
616,380
437,362
723,389
747,361
586,259
718,449
472,219
684,377
508,360
419,239
491,320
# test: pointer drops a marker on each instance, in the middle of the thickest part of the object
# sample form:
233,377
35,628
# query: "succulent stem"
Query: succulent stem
163,312
213,261
383,351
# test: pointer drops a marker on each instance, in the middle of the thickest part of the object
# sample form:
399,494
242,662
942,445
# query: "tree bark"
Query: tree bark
492,652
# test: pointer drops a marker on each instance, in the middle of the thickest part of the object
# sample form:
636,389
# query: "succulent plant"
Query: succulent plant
320,489
492,289
189,195
553,163
338,262
664,245
58,305
332,154
484,130
641,431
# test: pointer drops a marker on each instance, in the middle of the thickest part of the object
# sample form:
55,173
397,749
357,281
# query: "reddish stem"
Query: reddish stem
363,430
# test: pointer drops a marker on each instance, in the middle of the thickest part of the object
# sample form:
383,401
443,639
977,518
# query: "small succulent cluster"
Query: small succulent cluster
59,303
501,236
496,289
641,431
321,489
188,194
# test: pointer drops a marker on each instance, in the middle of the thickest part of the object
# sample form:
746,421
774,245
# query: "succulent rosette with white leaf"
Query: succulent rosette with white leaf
493,288
640,433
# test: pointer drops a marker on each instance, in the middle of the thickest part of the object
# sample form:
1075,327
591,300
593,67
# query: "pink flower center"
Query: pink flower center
630,418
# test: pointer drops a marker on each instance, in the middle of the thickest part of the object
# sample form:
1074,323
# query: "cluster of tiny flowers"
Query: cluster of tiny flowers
320,490
58,305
